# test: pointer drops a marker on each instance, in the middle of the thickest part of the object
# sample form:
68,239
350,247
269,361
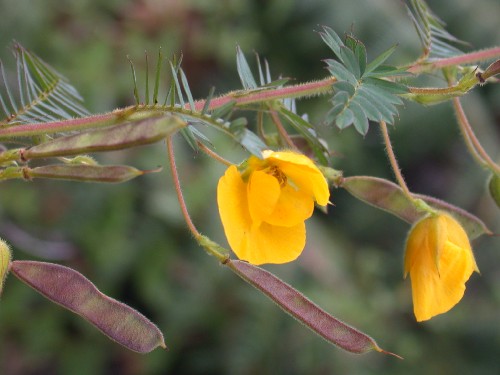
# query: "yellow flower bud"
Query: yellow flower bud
439,260
263,207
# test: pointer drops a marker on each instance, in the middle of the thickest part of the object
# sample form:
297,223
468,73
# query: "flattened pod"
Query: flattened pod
86,173
76,293
389,197
302,309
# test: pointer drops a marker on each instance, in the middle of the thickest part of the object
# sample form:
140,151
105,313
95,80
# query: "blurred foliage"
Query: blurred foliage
130,239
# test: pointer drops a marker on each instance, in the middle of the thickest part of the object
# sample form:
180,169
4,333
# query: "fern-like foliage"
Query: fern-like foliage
362,92
41,95
248,79
436,41
180,100
286,109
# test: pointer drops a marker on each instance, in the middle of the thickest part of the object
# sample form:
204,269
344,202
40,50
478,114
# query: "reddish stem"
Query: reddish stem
467,58
178,190
281,130
242,98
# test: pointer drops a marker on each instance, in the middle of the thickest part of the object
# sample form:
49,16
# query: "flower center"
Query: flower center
278,174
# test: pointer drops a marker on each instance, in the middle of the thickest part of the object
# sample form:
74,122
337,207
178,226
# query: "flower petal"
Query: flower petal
273,244
310,181
424,243
288,157
263,212
233,207
304,173
440,241
294,206
263,193
436,293
457,235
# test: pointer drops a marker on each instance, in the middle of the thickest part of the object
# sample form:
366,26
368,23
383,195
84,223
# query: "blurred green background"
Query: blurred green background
130,239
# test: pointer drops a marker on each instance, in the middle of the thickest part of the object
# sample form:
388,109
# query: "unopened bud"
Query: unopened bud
494,187
5,257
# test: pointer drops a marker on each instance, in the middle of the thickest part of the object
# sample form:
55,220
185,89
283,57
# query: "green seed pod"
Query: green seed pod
494,187
5,258
117,137
87,173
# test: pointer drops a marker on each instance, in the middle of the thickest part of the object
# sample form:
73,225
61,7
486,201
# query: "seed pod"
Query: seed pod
75,292
114,138
490,71
302,309
389,197
86,173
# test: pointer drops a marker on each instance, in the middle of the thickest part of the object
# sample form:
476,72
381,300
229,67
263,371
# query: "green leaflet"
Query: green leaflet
307,132
246,76
436,41
43,93
362,92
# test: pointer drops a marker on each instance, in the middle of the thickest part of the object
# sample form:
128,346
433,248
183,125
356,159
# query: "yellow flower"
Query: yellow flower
439,259
264,205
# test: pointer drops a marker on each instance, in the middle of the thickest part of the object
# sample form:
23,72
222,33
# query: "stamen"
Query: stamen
278,174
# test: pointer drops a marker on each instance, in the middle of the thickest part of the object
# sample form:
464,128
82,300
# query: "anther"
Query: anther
279,175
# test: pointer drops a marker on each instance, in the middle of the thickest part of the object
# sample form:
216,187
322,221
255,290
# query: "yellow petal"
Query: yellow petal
273,244
309,181
263,212
303,172
421,244
436,293
457,236
233,207
440,241
294,206
263,194
289,157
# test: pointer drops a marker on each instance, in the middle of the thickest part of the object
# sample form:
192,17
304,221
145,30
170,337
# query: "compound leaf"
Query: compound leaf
43,94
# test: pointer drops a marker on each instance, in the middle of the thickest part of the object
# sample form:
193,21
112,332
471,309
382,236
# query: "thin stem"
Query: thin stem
436,90
467,58
23,130
134,113
118,116
260,95
213,154
210,246
214,249
473,144
282,131
260,125
394,163
178,190
464,85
